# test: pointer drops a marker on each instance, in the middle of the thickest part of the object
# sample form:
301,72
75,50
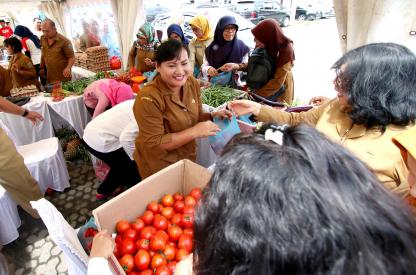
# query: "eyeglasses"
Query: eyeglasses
230,29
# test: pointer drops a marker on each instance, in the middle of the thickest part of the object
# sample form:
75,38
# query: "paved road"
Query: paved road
316,48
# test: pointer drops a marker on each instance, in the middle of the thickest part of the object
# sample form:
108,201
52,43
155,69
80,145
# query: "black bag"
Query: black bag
260,68
20,101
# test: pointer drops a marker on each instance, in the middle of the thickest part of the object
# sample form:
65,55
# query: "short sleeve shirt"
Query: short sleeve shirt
56,57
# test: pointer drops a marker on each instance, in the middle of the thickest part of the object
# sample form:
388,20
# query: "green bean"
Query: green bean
217,95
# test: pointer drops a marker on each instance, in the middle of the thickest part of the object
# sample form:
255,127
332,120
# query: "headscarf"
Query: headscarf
147,32
201,21
277,45
175,28
220,51
116,92
24,32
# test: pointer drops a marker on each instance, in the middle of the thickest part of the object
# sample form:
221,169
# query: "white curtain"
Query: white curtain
361,22
54,11
129,15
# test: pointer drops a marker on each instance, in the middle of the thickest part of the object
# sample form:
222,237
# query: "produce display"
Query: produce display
160,237
217,95
77,86
93,59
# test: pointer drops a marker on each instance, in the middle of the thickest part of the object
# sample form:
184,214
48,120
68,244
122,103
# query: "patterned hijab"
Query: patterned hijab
148,33
201,21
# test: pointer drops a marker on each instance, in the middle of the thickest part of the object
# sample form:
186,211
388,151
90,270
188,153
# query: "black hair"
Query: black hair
307,206
2,21
14,43
169,50
379,81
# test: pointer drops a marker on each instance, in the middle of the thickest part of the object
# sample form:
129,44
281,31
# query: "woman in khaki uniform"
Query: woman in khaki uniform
14,176
376,101
203,38
22,72
142,52
169,113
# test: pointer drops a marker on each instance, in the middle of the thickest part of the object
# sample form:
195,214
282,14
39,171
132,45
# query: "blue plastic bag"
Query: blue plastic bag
150,75
221,79
229,128
86,234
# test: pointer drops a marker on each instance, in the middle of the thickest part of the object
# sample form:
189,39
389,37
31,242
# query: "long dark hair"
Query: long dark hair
24,32
306,207
379,80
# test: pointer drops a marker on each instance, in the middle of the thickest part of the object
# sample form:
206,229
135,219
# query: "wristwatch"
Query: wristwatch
25,113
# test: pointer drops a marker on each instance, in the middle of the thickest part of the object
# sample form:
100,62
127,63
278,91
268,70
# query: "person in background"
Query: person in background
5,82
57,54
103,138
31,46
108,41
169,113
37,30
226,53
203,37
14,175
106,93
269,35
89,38
175,32
22,72
5,30
142,52
375,101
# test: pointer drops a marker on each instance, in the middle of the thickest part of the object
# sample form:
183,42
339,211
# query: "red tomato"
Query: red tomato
138,224
143,244
152,253
174,233
178,196
181,254
196,193
171,244
162,234
122,226
167,212
158,260
176,219
188,232
127,246
167,200
160,207
179,206
187,221
185,242
147,232
153,206
172,266
189,200
160,222
131,234
118,239
146,272
189,210
157,243
133,273
163,270
116,251
169,252
127,262
148,217
142,260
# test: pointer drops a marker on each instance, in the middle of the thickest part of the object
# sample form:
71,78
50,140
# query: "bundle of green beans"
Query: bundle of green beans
217,95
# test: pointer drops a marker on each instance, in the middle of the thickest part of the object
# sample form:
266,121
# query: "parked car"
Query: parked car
306,13
162,22
256,11
151,12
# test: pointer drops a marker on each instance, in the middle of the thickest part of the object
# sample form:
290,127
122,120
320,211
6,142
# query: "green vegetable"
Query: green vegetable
217,95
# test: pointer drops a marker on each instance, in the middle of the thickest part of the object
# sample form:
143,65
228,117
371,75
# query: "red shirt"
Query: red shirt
6,32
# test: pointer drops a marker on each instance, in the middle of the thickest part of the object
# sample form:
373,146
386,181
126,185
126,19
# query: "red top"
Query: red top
6,32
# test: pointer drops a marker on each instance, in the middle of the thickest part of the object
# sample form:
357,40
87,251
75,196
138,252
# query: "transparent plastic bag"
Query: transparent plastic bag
229,128
221,79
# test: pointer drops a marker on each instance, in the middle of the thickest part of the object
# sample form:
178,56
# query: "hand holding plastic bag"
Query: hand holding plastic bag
229,128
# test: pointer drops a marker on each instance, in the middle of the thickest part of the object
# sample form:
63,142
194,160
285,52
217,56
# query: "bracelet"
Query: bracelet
25,113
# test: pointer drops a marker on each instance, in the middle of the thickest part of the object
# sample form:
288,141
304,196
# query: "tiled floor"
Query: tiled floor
34,252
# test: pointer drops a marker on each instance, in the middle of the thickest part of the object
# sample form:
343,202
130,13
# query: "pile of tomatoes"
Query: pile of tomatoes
160,237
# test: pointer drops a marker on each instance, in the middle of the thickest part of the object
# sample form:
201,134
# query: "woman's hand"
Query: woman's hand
203,84
223,114
184,267
148,62
212,72
318,100
34,117
229,67
15,68
243,107
205,129
102,245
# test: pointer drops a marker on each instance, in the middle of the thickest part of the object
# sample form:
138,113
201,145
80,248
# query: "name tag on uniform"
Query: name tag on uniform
198,46
193,101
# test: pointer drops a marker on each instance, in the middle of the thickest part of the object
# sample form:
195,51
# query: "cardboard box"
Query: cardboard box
182,177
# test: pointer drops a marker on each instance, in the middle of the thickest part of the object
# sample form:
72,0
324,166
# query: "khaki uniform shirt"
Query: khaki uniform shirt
5,82
55,57
27,72
159,114
370,145
137,57
197,52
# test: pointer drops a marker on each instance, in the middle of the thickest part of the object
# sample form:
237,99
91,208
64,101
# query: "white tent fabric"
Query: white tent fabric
129,15
54,11
362,22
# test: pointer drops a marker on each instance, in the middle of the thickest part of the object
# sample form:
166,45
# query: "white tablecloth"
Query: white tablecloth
78,72
10,220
